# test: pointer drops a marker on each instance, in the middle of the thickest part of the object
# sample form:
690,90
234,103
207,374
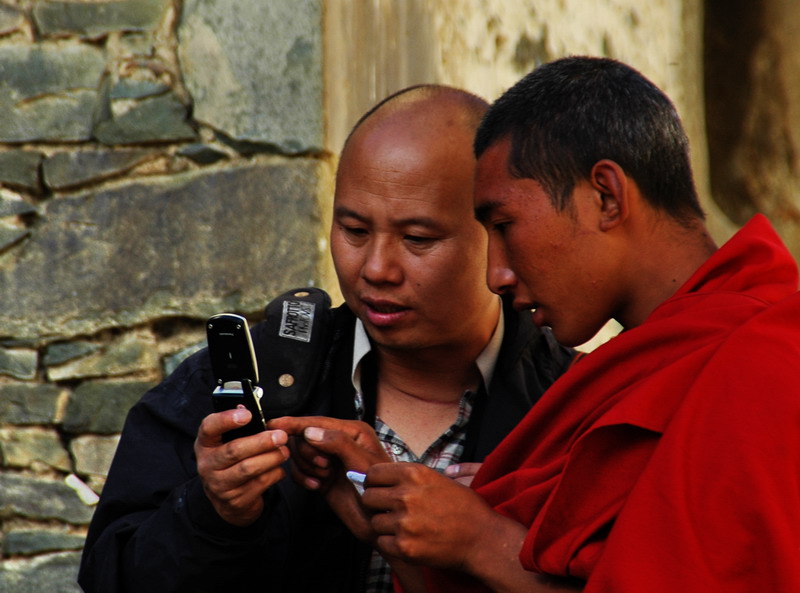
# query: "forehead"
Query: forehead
492,179
498,191
402,174
492,166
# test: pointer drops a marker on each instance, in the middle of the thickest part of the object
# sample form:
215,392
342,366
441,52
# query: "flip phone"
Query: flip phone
233,362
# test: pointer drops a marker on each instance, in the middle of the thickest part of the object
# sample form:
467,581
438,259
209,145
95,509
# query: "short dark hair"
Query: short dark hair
566,115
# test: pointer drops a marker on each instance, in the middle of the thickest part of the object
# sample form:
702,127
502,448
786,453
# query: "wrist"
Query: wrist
498,545
204,516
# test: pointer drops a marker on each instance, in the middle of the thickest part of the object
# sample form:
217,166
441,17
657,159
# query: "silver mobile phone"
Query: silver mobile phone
235,368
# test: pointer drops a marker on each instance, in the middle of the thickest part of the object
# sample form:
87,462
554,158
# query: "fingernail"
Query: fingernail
452,470
279,437
312,433
241,416
312,484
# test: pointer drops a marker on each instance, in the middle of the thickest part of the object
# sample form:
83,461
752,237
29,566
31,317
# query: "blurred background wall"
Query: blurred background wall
164,160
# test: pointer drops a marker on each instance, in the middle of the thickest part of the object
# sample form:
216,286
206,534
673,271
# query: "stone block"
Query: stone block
9,235
155,119
48,91
28,403
100,407
12,204
129,88
54,573
19,363
11,19
93,454
28,542
31,447
41,499
62,352
93,19
20,169
134,352
65,170
269,91
189,245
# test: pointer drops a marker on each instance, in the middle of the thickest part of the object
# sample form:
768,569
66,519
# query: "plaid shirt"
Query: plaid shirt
445,451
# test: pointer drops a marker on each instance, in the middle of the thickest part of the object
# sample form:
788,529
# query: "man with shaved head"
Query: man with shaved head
422,352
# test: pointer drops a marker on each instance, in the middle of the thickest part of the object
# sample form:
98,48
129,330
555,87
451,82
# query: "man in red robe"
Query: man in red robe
667,460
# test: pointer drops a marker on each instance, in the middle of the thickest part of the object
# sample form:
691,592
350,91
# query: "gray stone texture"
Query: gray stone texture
9,236
41,498
64,170
32,447
27,542
13,205
11,19
62,352
50,573
93,19
266,92
132,353
19,363
93,454
188,245
100,407
48,91
153,119
29,403
20,169
127,88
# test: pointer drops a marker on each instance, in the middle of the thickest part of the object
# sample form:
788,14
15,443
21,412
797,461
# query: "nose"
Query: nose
499,275
382,264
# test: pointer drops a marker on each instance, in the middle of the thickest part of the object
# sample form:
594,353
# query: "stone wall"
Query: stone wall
164,160
160,161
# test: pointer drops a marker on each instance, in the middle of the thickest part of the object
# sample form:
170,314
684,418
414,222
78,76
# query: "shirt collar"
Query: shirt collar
486,361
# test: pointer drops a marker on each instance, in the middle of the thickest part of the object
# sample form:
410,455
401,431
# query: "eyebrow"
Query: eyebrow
342,211
423,221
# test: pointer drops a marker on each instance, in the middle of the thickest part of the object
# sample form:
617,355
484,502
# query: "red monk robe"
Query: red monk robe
668,460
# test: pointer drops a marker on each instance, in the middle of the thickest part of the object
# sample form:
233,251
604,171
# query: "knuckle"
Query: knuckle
246,468
233,451
405,546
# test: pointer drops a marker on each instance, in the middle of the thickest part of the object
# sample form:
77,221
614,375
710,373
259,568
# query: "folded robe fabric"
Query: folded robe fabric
669,458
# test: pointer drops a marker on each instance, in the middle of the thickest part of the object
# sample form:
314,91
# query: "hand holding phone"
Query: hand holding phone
235,368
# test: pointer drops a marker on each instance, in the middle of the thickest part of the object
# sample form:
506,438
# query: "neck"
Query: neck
688,248
432,375
418,396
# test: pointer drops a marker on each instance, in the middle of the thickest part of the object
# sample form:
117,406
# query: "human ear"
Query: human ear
611,183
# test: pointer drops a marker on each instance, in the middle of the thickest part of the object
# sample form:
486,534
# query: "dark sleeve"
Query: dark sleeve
154,529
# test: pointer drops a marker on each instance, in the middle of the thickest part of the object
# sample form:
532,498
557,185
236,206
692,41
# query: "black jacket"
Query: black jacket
155,531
